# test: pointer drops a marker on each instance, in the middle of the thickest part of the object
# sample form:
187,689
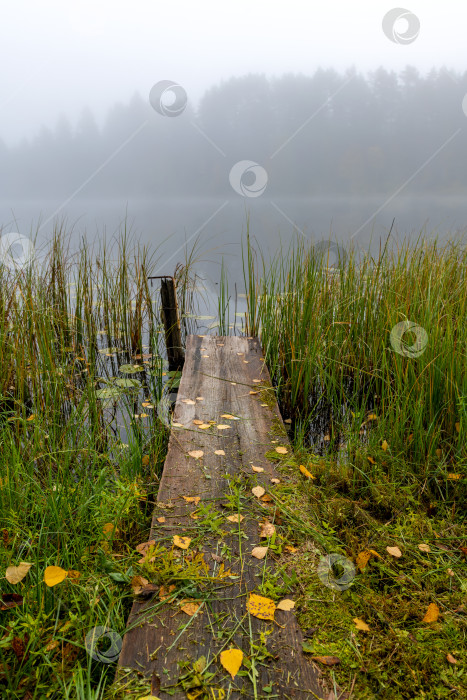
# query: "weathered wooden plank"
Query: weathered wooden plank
162,642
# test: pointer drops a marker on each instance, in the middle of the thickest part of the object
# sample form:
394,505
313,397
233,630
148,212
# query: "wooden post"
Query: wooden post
171,321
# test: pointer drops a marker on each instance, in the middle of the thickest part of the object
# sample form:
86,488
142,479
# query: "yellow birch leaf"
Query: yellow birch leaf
306,473
219,452
454,477
282,450
204,426
145,460
361,625
275,481
196,454
394,551
228,416
259,552
262,608
362,559
257,469
161,519
223,427
54,575
190,402
458,427
73,575
375,553
432,613
231,660
371,460
451,659
198,422
15,574
286,604
189,607
192,499
236,518
267,530
424,547
182,542
384,445
258,491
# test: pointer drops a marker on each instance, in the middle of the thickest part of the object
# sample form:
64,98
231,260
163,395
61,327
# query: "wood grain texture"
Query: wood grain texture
162,642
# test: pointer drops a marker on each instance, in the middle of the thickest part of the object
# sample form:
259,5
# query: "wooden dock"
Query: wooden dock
174,644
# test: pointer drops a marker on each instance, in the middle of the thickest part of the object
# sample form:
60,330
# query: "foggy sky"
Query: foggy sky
59,58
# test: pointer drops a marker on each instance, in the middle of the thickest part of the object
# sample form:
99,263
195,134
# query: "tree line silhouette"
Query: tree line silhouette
321,134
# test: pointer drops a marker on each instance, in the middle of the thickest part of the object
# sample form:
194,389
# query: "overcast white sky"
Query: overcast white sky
59,57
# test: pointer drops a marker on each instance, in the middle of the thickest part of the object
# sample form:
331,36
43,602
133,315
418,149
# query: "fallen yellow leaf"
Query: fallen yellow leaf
451,659
196,454
54,575
145,460
231,660
262,608
259,552
305,472
222,427
362,559
458,427
190,402
15,574
198,422
394,551
424,547
189,607
267,530
258,491
282,450
228,416
257,469
219,452
384,445
182,542
371,460
137,583
108,528
432,613
161,519
192,499
286,604
275,481
454,477
236,518
361,625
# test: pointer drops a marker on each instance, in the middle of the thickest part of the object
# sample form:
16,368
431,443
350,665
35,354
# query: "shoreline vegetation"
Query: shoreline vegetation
369,366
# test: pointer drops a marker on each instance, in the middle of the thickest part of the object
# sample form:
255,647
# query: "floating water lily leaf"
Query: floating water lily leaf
262,608
109,351
432,613
131,369
361,625
258,491
286,604
54,575
128,383
182,542
259,552
282,450
109,392
231,660
15,574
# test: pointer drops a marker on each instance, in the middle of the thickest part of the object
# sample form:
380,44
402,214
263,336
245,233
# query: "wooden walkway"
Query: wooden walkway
221,377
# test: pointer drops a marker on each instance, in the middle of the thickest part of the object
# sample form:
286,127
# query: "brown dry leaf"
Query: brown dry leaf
190,402
266,498
73,575
231,660
237,518
137,583
182,542
450,572
361,625
286,604
451,659
15,574
189,607
259,552
196,454
192,499
144,546
424,547
219,452
200,398
258,491
394,551
291,549
384,445
222,427
432,613
281,450
458,427
375,553
108,528
275,481
260,607
161,519
267,530
306,473
362,559
439,453
145,460
327,660
257,469
10,600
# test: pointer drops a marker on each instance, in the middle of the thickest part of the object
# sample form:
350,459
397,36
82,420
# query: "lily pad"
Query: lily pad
131,369
109,351
109,392
128,383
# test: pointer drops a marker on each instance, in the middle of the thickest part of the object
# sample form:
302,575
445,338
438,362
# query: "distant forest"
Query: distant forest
336,133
